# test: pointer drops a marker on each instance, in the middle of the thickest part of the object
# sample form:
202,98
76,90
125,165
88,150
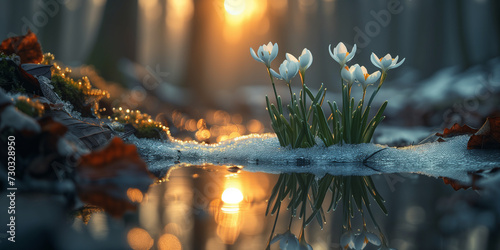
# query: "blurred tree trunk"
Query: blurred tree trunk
117,38
195,70
462,34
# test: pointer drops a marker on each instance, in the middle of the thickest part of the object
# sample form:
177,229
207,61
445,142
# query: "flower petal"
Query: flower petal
398,64
375,60
305,59
275,74
332,53
359,73
373,77
341,48
290,57
352,54
347,75
252,52
274,51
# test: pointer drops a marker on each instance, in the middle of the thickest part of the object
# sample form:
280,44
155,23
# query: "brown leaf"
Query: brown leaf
457,130
488,136
104,177
26,47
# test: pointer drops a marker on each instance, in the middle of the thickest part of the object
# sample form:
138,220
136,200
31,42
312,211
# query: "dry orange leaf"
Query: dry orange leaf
457,130
104,176
488,136
26,47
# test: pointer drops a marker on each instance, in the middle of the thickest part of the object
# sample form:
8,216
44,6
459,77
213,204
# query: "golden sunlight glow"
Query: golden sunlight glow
234,7
232,196
238,11
178,13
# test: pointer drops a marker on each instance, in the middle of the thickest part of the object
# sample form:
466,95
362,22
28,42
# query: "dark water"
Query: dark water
223,207
199,207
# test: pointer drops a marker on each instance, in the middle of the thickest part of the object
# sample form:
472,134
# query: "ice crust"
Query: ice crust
263,153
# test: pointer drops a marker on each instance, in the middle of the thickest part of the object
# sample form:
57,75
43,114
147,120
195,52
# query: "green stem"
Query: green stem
272,81
382,79
291,94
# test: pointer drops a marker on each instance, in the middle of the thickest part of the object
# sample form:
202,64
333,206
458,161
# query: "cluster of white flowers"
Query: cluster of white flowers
290,66
354,74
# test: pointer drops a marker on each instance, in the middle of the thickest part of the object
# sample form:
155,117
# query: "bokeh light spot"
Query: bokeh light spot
139,239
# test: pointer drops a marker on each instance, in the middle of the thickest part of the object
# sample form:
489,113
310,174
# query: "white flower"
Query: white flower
265,53
364,238
348,74
340,53
347,240
288,70
386,63
288,241
305,60
364,78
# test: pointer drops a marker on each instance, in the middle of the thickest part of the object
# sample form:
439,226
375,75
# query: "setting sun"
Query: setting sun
234,7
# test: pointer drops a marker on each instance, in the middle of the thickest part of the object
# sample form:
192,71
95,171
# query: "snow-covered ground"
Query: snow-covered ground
263,153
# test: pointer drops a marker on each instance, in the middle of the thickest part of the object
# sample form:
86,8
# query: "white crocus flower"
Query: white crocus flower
340,53
386,63
347,240
364,238
265,53
288,70
348,74
364,78
305,60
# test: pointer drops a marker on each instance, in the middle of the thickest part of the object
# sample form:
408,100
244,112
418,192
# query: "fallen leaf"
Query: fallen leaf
38,69
488,136
26,47
457,130
104,176
92,135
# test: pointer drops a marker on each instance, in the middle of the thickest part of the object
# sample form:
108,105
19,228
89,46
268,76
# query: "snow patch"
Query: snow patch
263,153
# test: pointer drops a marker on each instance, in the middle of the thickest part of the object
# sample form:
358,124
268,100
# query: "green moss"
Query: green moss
148,131
10,77
69,92
29,107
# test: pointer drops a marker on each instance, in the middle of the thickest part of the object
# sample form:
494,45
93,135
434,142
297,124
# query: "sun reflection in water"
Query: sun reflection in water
228,210
232,196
